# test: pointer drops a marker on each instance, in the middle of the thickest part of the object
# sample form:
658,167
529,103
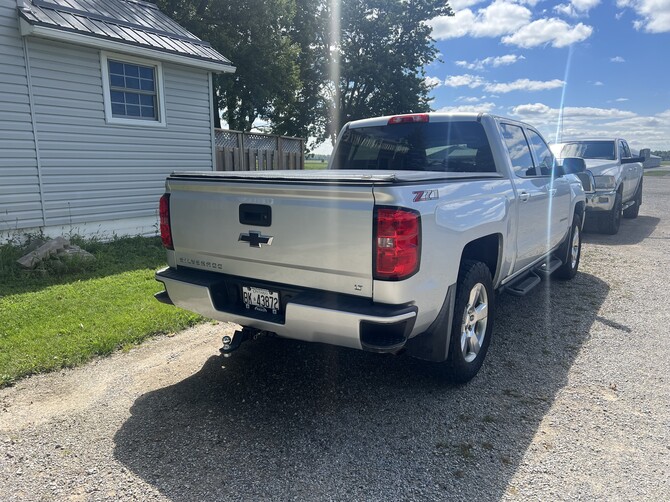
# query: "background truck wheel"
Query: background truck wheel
472,322
611,221
571,252
633,210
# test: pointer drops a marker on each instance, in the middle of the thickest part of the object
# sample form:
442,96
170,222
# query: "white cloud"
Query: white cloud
598,83
495,62
470,99
617,59
544,31
621,100
585,5
640,131
653,15
524,84
499,18
433,82
478,108
466,80
457,5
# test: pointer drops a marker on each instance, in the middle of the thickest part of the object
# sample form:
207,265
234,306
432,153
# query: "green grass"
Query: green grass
315,164
67,312
657,173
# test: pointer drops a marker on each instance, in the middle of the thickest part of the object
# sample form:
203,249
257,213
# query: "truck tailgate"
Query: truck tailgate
285,231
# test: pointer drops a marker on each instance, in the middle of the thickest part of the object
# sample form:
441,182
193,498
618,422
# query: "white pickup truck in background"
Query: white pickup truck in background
401,245
618,178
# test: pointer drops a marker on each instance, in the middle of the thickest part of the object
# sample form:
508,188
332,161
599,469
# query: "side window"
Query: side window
519,151
622,150
543,156
626,150
132,91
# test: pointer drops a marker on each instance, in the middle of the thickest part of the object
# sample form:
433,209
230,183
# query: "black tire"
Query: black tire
634,210
611,221
571,251
470,337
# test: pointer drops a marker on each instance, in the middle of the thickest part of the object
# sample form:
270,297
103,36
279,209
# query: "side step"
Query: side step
547,269
523,285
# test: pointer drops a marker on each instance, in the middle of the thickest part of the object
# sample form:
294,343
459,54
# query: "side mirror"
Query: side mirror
645,153
573,165
632,160
588,181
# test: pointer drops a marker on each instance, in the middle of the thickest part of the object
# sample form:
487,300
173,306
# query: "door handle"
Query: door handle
550,191
524,196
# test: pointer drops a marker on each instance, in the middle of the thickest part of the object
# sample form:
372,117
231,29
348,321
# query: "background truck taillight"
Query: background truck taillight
397,243
164,213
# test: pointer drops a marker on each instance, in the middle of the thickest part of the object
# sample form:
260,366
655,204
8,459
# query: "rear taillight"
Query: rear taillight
164,213
409,119
397,243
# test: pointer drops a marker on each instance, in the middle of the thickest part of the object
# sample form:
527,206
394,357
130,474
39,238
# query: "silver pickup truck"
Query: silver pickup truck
399,246
618,176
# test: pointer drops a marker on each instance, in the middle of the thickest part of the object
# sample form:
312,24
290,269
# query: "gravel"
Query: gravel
573,403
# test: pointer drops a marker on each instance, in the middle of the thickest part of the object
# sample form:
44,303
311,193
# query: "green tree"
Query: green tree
358,58
383,48
253,34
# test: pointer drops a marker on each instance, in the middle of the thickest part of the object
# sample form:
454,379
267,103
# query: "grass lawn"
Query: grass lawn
315,164
67,312
656,173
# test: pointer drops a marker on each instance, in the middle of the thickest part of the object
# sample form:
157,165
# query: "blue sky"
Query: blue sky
605,63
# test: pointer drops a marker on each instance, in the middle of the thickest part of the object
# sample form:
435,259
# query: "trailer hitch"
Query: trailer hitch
231,343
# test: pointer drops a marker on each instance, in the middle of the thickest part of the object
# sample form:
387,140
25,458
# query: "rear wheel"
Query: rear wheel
633,210
472,321
611,221
571,253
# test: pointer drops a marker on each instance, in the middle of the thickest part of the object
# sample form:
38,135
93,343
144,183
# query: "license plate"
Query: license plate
260,299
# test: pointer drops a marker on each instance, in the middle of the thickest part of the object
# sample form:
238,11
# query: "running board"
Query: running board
523,285
548,268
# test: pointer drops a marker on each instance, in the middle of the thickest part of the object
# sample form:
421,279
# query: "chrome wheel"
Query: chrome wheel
473,325
574,250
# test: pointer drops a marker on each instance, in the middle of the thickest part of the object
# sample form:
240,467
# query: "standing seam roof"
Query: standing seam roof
132,22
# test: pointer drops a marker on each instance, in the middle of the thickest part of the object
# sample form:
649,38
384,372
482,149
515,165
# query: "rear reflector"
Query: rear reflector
397,243
164,213
408,119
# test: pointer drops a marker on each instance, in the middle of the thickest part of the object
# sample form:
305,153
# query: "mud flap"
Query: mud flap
433,344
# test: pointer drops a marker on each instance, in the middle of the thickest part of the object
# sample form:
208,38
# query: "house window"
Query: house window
133,91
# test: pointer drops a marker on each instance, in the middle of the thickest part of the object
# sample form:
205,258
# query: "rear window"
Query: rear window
589,150
438,146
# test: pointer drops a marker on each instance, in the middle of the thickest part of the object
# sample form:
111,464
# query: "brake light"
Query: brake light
164,213
409,119
397,243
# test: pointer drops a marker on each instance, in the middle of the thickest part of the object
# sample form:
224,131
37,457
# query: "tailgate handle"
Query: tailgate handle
256,214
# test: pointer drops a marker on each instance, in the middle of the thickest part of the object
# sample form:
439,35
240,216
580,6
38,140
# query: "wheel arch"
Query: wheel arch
487,249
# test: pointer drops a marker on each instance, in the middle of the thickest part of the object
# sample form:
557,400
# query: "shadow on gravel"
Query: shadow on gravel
282,419
631,232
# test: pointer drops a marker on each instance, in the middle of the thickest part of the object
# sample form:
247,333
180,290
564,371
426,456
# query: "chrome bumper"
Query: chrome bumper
600,201
310,316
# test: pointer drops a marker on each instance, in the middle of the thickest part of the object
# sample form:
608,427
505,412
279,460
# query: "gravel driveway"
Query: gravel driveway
573,403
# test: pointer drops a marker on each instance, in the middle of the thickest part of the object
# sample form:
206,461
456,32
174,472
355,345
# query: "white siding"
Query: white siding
20,205
94,171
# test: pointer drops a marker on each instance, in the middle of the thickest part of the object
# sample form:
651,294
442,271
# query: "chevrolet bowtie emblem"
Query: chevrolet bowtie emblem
256,239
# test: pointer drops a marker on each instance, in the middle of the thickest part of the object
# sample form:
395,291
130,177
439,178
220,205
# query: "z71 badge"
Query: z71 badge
424,195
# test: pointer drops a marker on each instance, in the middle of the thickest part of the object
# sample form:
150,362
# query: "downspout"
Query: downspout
33,120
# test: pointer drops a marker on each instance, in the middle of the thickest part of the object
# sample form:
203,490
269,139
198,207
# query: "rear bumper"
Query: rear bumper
600,201
309,315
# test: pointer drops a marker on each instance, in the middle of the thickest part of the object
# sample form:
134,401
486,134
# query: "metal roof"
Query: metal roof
131,22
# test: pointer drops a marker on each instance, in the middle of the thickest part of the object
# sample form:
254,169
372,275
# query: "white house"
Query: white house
99,101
